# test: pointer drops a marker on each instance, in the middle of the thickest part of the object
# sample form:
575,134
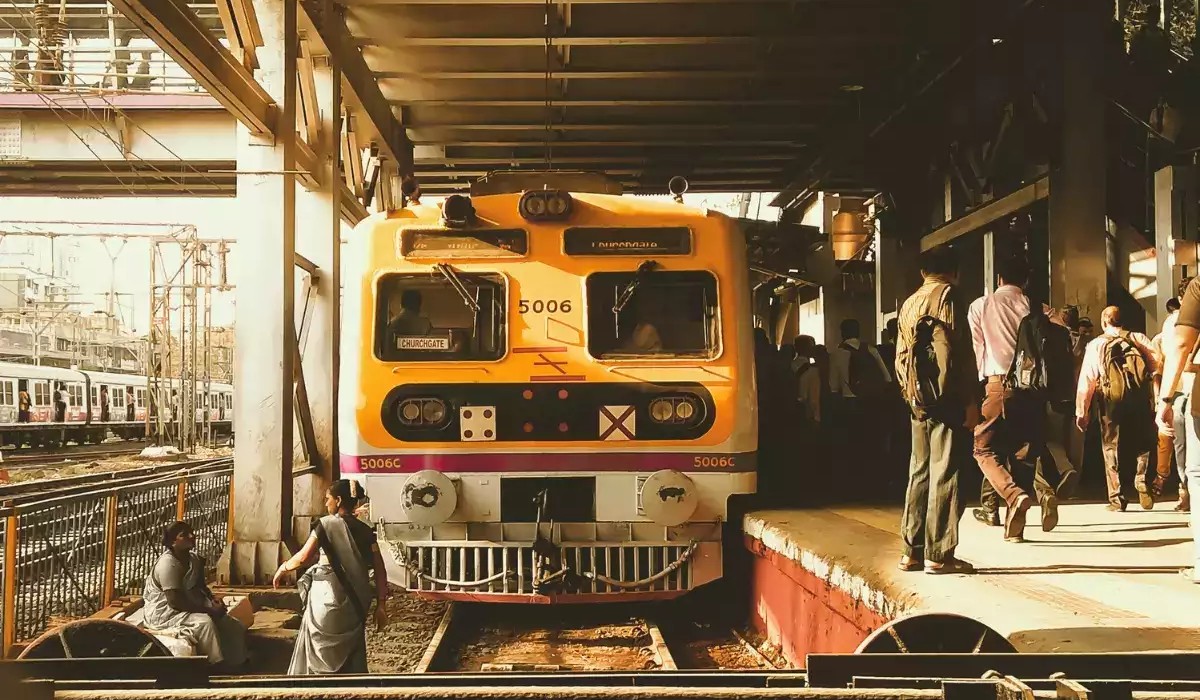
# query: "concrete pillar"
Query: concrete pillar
318,239
263,364
1175,213
1078,269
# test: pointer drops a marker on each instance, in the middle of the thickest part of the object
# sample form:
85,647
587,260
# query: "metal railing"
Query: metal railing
72,555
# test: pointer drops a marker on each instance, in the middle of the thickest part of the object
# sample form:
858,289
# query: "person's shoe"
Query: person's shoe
987,516
1118,507
1066,484
951,565
908,563
1185,502
1014,519
1049,512
1146,499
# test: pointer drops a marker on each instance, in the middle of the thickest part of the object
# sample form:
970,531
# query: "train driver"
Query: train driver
410,321
645,337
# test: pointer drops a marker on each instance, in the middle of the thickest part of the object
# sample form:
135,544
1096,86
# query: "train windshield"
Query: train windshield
667,314
442,315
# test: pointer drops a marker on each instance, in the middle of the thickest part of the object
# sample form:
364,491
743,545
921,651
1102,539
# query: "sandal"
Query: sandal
908,563
950,566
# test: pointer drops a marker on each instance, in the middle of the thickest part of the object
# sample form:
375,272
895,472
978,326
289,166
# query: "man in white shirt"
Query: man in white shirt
840,376
1010,440
857,380
1173,445
1127,420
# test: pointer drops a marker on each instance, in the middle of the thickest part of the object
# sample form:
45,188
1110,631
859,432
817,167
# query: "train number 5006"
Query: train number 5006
549,306
713,462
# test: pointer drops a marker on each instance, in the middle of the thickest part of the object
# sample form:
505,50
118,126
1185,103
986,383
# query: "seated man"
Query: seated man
176,599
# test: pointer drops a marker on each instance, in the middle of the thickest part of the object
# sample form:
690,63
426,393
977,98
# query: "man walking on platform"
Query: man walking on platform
1120,364
1010,442
1178,350
1172,445
935,370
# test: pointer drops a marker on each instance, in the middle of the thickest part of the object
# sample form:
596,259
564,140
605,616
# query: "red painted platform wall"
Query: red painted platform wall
799,612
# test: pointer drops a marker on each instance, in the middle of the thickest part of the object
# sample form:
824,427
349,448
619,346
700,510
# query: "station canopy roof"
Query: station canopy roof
731,94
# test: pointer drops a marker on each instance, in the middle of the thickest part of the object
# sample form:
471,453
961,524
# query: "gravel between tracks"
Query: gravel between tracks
411,623
111,464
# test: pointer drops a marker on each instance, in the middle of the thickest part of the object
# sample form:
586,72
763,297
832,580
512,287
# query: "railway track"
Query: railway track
27,491
41,458
473,638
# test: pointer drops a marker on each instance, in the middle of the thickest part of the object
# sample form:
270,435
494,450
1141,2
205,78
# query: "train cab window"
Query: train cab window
652,314
41,394
440,316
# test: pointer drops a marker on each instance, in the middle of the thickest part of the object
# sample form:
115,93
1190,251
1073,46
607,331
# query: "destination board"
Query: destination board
665,240
420,342
444,243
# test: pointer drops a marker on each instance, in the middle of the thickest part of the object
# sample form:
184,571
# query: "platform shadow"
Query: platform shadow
1076,569
1138,528
1142,544
1099,639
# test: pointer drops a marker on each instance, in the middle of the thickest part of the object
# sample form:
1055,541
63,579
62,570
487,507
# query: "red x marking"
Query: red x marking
617,423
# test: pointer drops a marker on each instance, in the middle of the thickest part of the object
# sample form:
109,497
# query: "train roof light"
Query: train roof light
678,185
457,210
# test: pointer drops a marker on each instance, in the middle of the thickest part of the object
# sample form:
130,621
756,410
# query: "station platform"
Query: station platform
824,579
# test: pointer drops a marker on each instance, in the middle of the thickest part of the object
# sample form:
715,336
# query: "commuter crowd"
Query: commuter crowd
989,382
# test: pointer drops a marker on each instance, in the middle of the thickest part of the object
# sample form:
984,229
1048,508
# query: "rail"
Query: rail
71,555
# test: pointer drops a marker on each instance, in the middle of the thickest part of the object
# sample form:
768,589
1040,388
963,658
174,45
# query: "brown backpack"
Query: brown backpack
1124,374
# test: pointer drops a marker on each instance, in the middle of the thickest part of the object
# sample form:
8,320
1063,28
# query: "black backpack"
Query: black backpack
1043,363
866,378
923,355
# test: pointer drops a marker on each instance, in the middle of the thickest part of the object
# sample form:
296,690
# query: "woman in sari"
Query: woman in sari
176,599
337,590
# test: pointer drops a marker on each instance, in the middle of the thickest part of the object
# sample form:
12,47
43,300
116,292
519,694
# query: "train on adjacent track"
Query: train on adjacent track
98,403
547,389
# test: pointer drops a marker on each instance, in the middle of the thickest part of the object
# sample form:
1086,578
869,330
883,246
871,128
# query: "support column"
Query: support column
1078,264
265,332
1175,213
319,241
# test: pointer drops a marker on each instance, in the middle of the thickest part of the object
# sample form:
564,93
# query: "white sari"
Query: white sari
332,637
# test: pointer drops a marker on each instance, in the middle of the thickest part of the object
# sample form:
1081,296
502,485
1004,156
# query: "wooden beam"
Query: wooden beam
178,32
360,81
308,97
987,214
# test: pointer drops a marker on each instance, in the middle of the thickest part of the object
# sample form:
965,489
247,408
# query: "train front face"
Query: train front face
549,409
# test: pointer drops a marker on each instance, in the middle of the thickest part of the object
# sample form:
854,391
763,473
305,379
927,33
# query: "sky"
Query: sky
97,266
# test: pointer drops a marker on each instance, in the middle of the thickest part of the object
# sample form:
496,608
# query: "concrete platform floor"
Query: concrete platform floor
1100,581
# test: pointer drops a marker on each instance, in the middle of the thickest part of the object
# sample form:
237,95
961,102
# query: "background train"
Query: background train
548,390
98,403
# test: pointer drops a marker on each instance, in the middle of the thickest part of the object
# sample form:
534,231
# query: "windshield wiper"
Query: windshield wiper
627,293
456,282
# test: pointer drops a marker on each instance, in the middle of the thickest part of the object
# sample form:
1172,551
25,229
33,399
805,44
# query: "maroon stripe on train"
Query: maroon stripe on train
548,461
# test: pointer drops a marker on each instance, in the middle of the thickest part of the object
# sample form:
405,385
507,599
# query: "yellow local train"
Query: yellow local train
548,390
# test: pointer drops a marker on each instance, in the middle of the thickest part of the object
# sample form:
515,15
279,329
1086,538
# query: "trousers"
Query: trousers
929,524
1010,444
1127,435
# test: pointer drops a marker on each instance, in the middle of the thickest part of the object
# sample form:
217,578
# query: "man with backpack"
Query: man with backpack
857,380
1120,364
1010,440
935,371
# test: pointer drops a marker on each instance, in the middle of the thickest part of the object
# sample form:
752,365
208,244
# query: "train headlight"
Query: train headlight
545,205
685,410
410,411
434,411
662,410
422,412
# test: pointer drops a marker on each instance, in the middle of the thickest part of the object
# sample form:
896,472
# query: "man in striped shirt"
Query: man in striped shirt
931,511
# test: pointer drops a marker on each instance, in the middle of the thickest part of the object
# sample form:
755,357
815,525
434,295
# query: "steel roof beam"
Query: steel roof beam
475,162
565,104
689,74
538,41
731,3
179,32
527,143
358,77
623,126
